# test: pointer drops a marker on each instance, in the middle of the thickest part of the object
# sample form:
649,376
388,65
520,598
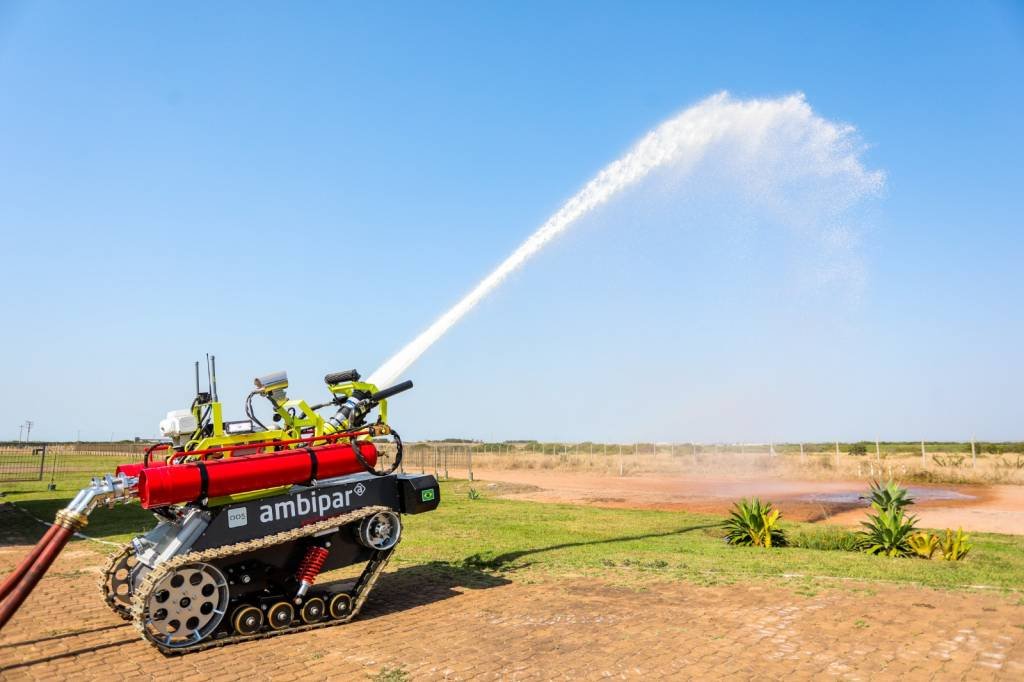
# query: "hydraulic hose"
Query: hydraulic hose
150,450
369,467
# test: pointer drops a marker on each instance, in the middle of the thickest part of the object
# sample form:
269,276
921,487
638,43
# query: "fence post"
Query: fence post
693,449
924,460
470,464
803,458
837,453
42,460
878,452
974,454
446,465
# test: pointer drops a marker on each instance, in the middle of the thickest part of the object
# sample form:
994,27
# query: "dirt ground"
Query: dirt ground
437,624
996,509
976,508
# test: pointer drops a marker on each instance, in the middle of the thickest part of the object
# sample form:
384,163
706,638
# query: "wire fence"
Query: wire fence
26,462
50,463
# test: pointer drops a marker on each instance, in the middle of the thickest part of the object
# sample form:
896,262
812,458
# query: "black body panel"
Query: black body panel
303,505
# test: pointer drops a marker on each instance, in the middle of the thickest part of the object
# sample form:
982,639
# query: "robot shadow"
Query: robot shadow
411,587
510,561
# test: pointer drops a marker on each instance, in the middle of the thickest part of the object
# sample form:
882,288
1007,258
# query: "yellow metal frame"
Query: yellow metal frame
295,417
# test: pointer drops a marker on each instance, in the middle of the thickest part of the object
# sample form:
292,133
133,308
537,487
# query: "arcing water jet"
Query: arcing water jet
823,148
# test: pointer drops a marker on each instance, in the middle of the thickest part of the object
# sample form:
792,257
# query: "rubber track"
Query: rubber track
364,584
123,611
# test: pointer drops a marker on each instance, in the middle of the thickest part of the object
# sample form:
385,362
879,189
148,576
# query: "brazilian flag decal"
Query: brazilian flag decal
427,495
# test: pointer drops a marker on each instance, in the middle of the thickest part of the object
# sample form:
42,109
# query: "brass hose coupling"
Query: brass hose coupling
379,430
72,520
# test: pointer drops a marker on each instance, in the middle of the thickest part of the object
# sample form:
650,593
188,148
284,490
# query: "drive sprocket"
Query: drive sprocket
116,580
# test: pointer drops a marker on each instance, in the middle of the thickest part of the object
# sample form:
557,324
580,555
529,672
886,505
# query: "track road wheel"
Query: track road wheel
340,605
280,615
116,581
313,610
185,606
247,620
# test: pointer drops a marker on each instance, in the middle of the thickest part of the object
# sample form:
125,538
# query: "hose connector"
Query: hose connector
108,490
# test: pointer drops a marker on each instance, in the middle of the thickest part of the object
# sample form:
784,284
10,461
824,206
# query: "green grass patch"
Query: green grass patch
528,541
822,537
391,675
526,537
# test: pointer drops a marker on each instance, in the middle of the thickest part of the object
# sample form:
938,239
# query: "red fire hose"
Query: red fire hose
44,554
23,567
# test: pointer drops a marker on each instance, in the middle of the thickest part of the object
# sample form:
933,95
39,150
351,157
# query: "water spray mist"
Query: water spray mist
682,141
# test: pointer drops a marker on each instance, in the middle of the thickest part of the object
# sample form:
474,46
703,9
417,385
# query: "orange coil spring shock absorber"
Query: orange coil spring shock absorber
309,569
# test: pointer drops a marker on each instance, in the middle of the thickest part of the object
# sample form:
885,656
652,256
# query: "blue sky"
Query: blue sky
307,186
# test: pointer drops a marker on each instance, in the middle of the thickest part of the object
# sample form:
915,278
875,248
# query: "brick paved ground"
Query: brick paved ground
437,624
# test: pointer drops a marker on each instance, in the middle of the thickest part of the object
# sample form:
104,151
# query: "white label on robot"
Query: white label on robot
237,517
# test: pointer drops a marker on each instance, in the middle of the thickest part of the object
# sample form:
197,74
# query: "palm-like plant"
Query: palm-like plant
955,546
924,544
888,496
888,532
754,523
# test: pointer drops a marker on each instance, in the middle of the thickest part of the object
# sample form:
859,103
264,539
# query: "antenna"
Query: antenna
209,376
197,377
213,365
28,430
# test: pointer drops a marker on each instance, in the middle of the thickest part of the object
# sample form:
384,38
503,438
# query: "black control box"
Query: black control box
419,493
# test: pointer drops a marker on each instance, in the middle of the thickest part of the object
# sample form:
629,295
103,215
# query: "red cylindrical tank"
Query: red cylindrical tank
134,468
162,485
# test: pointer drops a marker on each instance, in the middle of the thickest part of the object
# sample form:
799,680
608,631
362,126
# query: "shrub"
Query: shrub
1004,463
888,532
949,460
889,529
889,496
955,546
858,449
924,544
753,523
